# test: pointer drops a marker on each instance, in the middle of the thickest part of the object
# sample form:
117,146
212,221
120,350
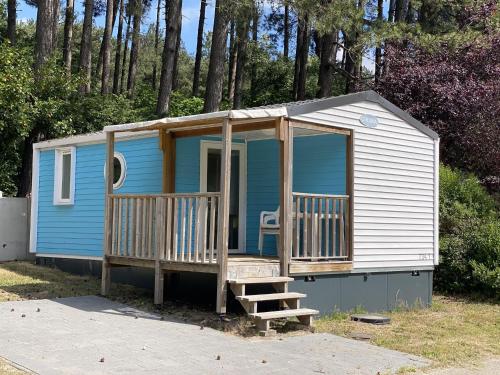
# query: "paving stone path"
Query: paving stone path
72,335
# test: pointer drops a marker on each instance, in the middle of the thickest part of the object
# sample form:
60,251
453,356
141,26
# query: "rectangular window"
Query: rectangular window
64,175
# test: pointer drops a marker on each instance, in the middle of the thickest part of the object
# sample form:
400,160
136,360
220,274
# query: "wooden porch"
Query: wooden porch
188,232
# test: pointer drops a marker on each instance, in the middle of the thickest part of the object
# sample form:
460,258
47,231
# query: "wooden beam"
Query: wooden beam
108,216
319,127
168,176
286,157
223,225
281,123
309,268
216,130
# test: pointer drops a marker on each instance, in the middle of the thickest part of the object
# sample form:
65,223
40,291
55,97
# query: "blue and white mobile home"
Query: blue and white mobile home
342,191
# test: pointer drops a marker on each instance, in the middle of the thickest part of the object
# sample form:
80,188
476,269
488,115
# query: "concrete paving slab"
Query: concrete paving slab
71,335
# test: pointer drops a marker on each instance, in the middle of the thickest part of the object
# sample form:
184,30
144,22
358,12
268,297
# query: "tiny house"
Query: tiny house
336,198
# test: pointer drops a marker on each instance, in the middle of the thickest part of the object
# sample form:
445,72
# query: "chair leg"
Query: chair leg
261,240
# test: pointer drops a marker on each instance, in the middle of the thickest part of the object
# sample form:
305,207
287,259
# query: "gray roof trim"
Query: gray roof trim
371,96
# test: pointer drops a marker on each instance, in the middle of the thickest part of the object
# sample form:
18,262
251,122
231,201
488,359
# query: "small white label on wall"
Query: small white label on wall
369,121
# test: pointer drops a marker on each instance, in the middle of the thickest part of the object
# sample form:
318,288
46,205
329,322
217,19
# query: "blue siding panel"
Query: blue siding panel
78,229
319,166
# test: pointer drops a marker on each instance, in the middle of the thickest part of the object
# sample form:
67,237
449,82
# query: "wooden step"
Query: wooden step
261,280
270,297
283,314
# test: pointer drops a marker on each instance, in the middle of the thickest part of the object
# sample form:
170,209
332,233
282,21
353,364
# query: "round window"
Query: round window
119,170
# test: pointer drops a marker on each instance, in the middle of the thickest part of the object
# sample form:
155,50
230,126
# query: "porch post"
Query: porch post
168,147
108,215
286,162
223,224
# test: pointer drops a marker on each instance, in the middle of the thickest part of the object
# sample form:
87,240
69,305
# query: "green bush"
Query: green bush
469,236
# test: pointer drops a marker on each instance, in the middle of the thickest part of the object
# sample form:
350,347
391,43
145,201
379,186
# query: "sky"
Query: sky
190,14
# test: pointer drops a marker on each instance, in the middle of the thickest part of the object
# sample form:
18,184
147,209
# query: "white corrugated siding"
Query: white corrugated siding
393,187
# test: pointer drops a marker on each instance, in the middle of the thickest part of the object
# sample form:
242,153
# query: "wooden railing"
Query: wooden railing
320,227
168,227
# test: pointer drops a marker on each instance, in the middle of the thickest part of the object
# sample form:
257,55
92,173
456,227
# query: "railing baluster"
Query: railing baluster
119,227
341,228
133,209
204,229
305,239
190,228
183,228
313,228
126,239
327,227
150,226
347,230
213,205
320,222
168,242
296,248
197,232
334,228
176,229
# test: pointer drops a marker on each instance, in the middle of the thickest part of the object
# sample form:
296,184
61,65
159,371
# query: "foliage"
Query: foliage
469,236
456,93
182,106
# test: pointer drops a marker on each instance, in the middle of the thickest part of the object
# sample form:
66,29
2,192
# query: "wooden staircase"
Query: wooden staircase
289,302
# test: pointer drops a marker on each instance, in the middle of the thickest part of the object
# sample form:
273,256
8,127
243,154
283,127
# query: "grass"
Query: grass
452,332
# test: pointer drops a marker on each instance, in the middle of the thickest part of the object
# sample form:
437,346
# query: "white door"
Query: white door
210,173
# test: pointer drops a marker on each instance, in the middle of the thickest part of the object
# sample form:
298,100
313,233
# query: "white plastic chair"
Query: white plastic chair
269,224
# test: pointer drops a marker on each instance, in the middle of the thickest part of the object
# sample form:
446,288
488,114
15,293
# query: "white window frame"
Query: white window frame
123,174
205,145
59,153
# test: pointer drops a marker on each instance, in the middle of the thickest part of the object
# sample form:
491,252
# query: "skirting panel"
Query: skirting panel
372,292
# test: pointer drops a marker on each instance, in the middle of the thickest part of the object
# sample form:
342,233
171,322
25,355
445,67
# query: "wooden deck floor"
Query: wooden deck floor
239,266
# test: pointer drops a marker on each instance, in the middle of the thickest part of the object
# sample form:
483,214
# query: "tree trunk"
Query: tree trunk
119,36
44,39
215,79
173,21
199,49
378,50
100,58
157,42
55,21
86,46
286,31
392,7
242,41
68,34
134,50
175,73
11,20
125,50
255,40
301,87
298,51
327,63
233,58
106,60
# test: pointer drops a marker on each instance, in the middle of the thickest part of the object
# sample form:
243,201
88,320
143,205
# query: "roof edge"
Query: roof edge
370,96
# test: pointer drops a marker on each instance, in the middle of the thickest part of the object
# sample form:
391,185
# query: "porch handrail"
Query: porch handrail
173,227
320,227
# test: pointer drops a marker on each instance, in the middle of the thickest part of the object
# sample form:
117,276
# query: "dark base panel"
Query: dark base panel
381,291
